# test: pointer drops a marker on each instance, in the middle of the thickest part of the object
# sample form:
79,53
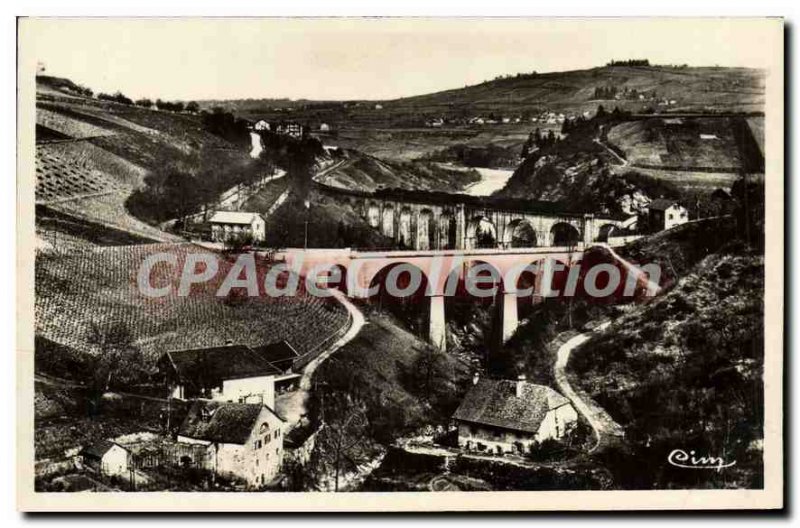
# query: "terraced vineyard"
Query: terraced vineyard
59,179
81,295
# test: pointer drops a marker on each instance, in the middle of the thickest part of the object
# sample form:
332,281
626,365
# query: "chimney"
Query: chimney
520,383
475,378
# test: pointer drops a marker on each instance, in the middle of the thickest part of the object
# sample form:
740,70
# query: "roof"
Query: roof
98,449
494,402
279,354
222,422
661,204
205,367
233,217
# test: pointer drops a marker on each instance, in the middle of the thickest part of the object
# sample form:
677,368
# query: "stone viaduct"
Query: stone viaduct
442,272
423,220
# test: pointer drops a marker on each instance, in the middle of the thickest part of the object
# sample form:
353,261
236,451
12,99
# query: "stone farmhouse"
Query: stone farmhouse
226,225
243,440
506,416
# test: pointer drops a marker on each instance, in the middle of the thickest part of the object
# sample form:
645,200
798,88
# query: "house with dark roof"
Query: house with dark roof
233,373
227,225
244,440
664,214
506,416
105,457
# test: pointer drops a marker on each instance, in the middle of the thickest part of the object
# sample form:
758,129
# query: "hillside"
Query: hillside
86,294
698,352
691,89
92,154
367,173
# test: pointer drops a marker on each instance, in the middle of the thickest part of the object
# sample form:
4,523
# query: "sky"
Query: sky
361,58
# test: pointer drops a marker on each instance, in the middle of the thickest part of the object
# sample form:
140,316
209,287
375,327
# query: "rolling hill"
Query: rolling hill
691,89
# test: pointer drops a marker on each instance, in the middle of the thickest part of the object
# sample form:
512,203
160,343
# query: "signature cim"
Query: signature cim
682,459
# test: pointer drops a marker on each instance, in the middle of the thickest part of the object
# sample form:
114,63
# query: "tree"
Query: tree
120,362
192,106
145,102
343,440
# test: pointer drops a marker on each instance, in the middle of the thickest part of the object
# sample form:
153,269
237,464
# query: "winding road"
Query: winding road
602,424
293,405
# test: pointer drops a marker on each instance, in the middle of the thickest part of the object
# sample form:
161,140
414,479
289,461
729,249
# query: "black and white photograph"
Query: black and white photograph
291,263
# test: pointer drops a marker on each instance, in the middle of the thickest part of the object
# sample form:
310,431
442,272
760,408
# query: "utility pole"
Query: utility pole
307,205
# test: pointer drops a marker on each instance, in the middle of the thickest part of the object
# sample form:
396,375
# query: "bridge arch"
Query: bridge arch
426,230
404,234
520,233
481,233
447,231
373,214
564,234
387,221
605,231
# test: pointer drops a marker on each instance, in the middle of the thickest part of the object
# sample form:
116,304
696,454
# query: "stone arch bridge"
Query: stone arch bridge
422,220
358,271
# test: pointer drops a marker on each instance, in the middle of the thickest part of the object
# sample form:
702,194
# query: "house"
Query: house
324,127
261,126
506,416
232,373
225,225
244,440
664,214
106,457
292,129
378,107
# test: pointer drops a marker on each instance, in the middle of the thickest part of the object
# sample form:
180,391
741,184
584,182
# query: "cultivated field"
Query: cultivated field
698,144
82,295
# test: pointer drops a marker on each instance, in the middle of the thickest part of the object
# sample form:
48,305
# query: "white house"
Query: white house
106,457
244,440
261,126
227,224
665,214
324,127
506,416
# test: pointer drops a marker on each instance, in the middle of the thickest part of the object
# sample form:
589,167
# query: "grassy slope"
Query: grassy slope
697,351
364,172
378,365
692,87
134,141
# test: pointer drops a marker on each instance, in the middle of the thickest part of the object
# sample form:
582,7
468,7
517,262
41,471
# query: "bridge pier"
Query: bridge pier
509,319
437,328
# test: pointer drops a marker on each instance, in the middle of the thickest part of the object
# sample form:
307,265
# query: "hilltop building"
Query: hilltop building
243,440
664,214
506,416
225,225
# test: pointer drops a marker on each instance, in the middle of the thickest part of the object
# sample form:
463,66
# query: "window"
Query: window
671,216
258,444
